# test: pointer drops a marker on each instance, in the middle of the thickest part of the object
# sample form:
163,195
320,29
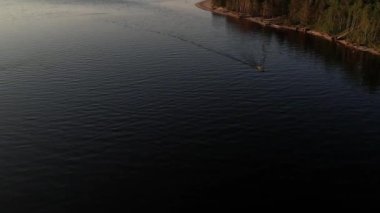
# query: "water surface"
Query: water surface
155,103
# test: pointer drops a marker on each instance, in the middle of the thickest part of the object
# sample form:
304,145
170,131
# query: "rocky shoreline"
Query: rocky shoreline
207,5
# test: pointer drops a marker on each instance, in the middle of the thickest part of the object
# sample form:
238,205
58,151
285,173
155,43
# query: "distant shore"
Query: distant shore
207,5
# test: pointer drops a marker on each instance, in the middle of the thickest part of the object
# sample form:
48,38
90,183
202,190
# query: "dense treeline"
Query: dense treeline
355,20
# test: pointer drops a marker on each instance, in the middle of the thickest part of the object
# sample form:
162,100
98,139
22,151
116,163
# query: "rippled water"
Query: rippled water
155,103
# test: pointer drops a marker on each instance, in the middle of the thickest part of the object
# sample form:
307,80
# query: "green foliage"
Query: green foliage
355,20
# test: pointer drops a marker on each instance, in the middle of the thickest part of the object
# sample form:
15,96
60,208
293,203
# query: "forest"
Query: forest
357,21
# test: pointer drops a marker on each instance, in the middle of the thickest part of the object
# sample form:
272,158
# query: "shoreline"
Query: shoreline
207,5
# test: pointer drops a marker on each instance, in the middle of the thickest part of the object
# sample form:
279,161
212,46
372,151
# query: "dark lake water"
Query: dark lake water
155,104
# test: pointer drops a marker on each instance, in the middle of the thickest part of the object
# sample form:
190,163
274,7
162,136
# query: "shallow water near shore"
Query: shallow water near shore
156,103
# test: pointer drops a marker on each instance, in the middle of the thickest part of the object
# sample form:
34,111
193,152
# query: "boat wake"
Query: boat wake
251,63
